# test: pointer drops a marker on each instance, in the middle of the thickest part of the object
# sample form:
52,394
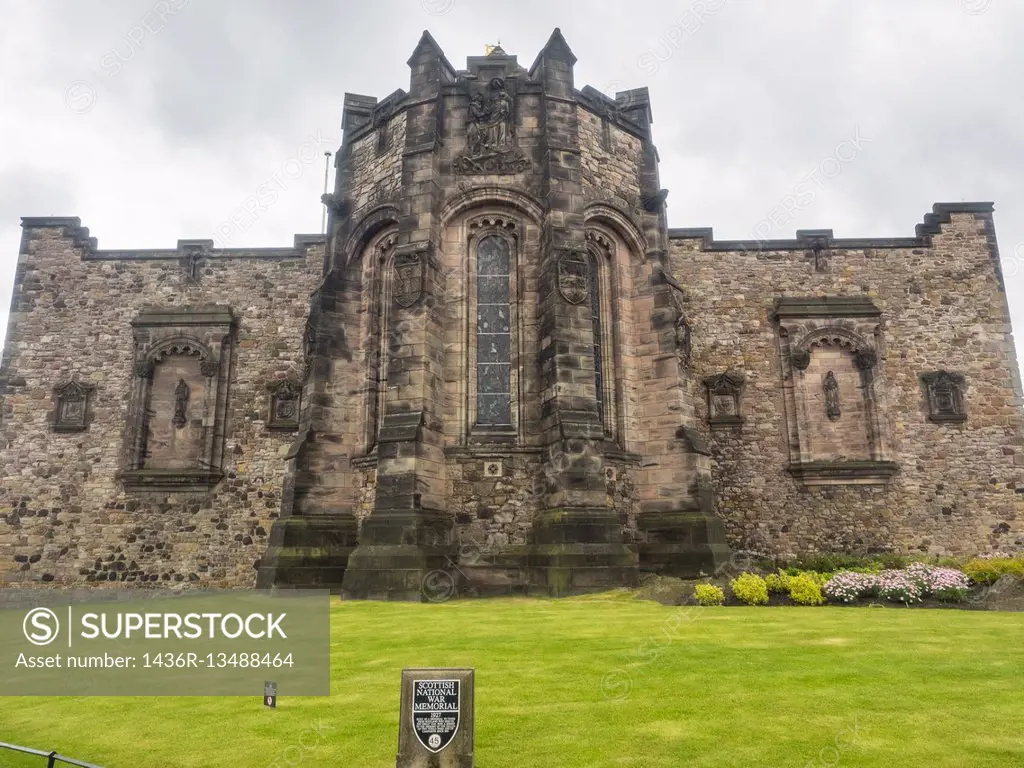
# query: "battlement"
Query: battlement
629,110
72,229
823,238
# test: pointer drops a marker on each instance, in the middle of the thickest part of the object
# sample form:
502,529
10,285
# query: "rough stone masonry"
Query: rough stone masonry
501,366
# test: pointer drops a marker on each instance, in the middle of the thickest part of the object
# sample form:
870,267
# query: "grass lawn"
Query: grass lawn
602,681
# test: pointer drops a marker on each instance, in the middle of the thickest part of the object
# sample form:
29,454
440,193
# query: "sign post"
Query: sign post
436,723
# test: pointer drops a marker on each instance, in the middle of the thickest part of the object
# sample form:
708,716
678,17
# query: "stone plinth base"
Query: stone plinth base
308,553
558,570
400,572
682,543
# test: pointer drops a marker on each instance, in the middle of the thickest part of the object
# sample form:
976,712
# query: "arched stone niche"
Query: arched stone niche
176,423
830,356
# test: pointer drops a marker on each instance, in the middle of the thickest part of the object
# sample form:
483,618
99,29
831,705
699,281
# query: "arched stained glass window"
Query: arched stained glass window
493,333
595,317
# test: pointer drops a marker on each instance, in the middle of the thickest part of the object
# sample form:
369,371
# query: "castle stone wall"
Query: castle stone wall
377,168
960,485
610,162
65,516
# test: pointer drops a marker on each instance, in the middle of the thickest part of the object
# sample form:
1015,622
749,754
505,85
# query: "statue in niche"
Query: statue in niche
490,134
181,393
476,134
831,396
684,339
500,133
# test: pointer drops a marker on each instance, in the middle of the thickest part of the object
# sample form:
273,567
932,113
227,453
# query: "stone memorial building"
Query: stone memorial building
502,363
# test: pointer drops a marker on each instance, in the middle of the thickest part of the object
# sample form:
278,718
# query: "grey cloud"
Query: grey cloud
746,102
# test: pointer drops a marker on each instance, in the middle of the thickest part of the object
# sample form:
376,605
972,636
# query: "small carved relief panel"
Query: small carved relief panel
186,276
409,278
72,407
945,396
285,398
724,399
491,145
573,276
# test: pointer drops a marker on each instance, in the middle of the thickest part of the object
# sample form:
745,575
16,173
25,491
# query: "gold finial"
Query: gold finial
496,48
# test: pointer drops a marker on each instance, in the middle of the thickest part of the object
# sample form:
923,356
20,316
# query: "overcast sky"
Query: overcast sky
154,121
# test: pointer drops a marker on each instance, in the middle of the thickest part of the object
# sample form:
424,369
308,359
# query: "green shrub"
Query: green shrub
777,583
950,595
709,594
750,588
805,589
988,570
816,576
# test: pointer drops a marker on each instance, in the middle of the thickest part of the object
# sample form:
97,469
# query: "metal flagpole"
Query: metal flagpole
323,218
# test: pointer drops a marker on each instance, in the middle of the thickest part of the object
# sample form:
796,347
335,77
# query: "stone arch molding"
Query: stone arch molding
495,224
183,346
863,352
600,243
494,197
621,224
367,228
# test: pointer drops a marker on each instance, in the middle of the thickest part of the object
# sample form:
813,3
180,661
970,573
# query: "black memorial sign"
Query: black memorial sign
435,712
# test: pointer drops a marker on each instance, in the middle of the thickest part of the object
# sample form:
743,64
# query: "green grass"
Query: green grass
710,687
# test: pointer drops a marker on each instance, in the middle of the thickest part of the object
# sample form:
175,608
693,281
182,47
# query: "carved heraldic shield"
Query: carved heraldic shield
409,269
573,277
